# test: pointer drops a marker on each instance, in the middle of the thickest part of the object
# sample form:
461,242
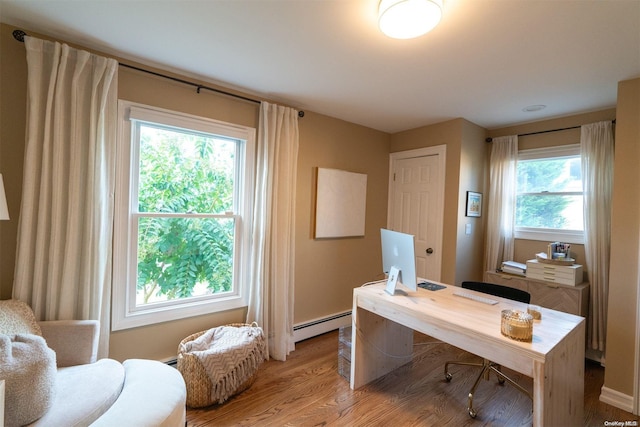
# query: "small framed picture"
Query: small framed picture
474,204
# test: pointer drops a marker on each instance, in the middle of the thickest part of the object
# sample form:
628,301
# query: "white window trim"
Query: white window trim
549,235
544,234
124,313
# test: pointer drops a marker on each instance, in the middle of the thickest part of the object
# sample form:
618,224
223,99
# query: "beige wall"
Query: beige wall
465,171
625,226
326,271
473,177
157,341
160,341
553,139
447,133
622,333
526,249
13,104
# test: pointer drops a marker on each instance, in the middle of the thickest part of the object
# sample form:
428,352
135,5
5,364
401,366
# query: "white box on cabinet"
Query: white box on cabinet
564,274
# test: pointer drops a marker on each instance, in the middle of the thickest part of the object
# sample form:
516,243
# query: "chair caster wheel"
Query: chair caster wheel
448,377
501,381
472,413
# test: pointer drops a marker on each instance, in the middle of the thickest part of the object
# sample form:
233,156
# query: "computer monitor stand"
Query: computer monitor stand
392,281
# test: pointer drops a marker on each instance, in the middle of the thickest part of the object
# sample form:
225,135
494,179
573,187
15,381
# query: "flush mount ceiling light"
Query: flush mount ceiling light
406,19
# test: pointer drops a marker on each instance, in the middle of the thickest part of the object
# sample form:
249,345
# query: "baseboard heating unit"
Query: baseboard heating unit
172,362
320,326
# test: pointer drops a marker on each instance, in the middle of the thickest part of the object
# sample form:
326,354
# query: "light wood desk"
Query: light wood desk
382,341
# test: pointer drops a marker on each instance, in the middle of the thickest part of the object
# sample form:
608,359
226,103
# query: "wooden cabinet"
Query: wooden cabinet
570,299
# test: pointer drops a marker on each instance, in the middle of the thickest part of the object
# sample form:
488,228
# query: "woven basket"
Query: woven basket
199,387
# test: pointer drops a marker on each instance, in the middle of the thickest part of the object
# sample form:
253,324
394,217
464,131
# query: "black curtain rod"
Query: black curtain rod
19,35
198,87
546,131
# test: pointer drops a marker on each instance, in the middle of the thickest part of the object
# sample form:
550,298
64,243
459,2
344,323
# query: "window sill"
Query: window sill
166,313
548,235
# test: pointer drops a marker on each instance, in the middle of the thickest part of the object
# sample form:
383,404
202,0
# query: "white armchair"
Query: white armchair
88,392
74,341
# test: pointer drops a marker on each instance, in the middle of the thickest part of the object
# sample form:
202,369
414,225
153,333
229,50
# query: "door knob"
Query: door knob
429,251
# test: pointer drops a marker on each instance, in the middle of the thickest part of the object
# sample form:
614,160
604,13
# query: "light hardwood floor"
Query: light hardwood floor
307,390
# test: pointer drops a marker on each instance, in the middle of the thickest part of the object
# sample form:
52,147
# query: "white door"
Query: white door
416,202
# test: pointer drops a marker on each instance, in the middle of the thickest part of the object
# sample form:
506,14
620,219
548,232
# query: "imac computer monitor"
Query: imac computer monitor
398,260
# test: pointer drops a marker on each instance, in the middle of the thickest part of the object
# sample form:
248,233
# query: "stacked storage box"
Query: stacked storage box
563,274
344,352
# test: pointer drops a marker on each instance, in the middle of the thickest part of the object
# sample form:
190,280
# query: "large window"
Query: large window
549,195
183,212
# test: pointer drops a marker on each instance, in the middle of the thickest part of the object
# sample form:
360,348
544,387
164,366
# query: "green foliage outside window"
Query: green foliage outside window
540,202
184,254
541,211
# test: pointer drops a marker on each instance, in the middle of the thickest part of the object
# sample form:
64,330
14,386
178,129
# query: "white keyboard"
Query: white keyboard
475,297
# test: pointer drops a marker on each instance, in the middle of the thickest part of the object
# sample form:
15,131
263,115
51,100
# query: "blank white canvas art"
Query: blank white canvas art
341,203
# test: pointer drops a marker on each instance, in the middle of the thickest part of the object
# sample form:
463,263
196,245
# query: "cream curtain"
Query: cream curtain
597,148
271,294
502,201
63,260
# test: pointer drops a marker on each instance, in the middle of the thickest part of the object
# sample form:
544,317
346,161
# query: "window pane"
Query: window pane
183,257
552,175
549,211
184,172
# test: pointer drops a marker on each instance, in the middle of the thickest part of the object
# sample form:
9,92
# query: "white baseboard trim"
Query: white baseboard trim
312,328
617,399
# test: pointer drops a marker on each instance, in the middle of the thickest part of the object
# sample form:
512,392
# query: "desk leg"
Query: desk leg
378,346
1,402
558,384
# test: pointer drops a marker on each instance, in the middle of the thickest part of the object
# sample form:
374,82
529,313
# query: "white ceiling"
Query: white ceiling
486,61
